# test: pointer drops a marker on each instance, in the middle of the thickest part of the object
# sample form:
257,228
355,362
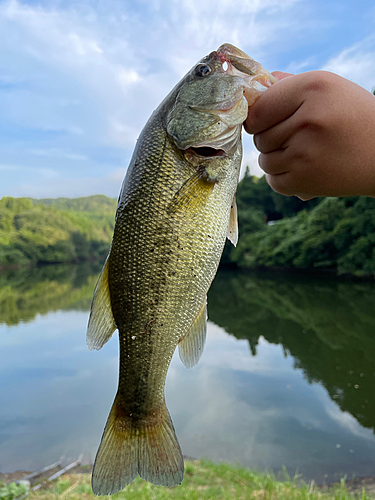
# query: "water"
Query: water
287,377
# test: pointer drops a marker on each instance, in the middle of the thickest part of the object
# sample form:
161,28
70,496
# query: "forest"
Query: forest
276,231
336,234
55,230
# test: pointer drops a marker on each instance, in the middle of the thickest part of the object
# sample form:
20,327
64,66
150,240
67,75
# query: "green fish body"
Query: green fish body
175,210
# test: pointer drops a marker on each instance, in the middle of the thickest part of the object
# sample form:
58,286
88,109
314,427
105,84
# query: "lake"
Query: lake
287,377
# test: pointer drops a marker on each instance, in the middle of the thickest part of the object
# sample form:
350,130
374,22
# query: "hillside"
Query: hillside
338,234
98,204
326,233
60,230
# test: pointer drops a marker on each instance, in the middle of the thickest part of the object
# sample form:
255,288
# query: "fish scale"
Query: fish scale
175,210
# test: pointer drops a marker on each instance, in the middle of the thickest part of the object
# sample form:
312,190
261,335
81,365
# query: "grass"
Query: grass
203,481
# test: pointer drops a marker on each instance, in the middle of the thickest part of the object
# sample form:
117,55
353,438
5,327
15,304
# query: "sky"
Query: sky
78,80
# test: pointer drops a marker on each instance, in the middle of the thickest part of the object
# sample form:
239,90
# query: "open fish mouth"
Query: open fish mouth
205,152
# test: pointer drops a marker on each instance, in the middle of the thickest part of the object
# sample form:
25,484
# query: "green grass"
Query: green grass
204,480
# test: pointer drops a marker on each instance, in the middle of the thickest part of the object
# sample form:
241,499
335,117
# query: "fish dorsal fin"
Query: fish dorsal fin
101,322
233,223
191,346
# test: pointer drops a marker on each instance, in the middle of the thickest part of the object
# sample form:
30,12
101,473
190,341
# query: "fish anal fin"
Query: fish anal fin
147,447
101,322
233,223
193,193
191,347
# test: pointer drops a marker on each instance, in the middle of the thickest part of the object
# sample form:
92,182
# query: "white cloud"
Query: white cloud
269,359
347,421
356,63
84,47
90,74
79,61
126,77
302,65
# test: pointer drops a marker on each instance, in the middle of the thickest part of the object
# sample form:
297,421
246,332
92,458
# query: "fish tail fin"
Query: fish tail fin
147,447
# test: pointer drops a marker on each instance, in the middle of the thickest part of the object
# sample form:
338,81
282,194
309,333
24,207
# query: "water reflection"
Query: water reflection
326,325
259,396
26,292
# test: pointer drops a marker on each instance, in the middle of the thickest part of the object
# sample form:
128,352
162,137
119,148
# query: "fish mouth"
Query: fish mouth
218,147
205,152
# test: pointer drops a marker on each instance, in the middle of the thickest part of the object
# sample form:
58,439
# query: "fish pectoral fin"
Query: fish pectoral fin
193,193
147,447
233,223
101,322
191,346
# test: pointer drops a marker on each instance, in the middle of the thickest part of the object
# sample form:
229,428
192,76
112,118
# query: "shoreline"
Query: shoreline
353,486
317,272
225,266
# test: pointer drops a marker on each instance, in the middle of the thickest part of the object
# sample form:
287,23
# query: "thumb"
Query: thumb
279,75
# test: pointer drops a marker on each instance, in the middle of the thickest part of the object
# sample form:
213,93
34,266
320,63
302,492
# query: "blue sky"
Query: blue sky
78,80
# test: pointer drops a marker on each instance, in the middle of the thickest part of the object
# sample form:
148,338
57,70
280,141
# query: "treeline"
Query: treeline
326,233
52,231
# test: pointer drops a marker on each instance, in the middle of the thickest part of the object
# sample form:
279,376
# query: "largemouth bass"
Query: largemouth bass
176,208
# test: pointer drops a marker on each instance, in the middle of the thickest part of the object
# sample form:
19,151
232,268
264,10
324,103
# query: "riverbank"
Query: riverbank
207,480
333,235
330,234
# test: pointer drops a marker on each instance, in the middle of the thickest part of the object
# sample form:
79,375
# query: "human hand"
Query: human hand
316,135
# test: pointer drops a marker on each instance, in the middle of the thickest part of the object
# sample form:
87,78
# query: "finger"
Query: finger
280,75
305,197
279,102
277,137
274,163
280,183
282,175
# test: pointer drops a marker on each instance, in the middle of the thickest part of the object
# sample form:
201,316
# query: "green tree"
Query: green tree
337,234
62,230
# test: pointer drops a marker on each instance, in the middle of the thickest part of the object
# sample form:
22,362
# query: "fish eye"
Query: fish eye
203,70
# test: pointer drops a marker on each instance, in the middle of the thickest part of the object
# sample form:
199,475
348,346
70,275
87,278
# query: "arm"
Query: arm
316,135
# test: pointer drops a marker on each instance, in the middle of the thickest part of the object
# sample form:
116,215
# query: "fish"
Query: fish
175,210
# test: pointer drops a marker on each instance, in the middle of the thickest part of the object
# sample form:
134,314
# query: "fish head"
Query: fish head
212,103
